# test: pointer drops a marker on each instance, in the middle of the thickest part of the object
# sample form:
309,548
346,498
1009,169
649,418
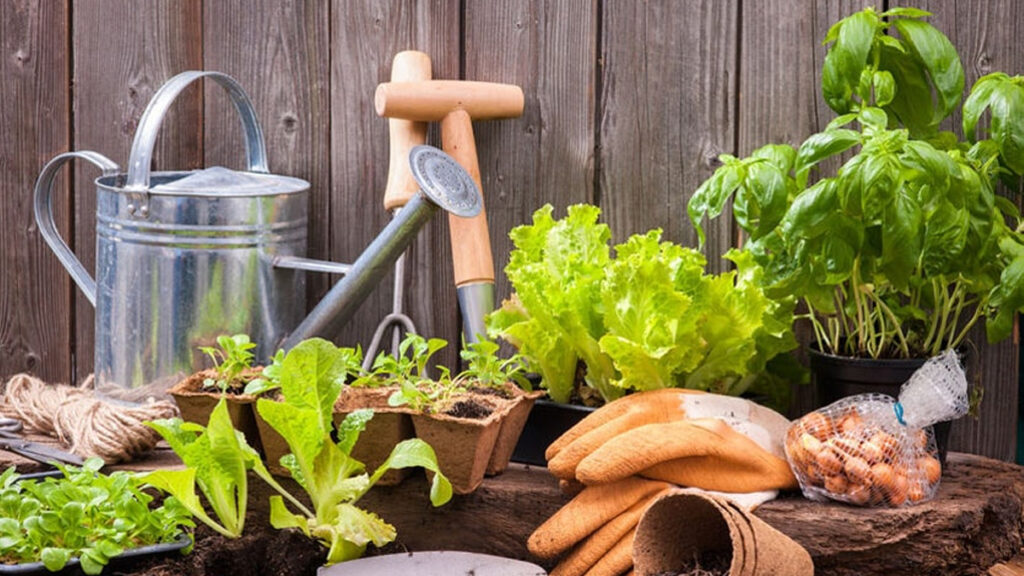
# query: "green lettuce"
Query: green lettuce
647,318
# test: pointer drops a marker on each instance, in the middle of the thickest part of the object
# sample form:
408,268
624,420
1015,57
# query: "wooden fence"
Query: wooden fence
628,103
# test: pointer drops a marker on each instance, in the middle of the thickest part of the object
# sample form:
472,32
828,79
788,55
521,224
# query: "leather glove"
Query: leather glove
681,436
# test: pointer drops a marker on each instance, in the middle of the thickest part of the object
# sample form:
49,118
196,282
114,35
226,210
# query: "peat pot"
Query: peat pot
837,377
183,257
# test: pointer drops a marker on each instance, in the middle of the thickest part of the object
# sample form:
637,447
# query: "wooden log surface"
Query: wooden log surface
975,523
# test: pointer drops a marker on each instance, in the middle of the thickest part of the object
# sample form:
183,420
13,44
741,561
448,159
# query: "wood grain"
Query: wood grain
367,36
116,72
667,112
548,48
35,292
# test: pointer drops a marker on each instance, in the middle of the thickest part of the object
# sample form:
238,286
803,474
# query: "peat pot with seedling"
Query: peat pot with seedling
232,377
472,419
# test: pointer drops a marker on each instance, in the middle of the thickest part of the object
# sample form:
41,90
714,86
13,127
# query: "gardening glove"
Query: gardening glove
608,550
681,436
597,526
591,511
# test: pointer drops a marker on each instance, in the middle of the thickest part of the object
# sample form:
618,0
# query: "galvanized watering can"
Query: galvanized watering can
182,257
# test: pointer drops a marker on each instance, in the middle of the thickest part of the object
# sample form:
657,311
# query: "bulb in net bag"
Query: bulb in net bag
872,450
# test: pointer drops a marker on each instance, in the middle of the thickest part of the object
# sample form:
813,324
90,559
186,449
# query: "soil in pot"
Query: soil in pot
463,445
706,564
389,426
836,377
196,403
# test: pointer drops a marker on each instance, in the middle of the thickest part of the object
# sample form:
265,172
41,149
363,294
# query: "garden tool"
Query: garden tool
686,437
456,104
11,440
407,66
183,257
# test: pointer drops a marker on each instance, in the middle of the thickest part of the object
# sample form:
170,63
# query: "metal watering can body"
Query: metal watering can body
183,257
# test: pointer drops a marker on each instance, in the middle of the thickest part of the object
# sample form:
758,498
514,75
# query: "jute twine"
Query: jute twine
76,417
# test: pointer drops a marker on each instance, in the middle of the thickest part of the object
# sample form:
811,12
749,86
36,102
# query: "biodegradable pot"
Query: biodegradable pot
463,445
389,426
274,446
682,525
837,377
196,404
517,411
545,423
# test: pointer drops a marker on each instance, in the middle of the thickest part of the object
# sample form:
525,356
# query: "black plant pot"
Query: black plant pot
547,421
837,377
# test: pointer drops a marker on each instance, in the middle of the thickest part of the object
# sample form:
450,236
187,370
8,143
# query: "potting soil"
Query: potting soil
707,564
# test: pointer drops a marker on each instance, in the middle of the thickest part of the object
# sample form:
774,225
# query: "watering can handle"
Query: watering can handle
43,207
145,136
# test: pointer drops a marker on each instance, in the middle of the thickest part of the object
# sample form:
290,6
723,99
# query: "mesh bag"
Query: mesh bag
872,450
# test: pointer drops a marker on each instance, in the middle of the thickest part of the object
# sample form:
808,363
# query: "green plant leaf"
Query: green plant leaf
312,375
884,87
55,558
901,239
938,56
820,146
350,428
412,453
281,518
847,58
912,102
978,101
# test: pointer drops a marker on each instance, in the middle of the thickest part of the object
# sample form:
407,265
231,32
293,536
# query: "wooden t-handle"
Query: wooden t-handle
408,66
471,245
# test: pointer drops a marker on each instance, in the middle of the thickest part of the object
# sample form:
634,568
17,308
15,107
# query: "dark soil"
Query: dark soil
469,408
266,552
707,564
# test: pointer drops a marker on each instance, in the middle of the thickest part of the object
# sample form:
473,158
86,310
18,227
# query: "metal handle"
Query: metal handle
43,207
145,136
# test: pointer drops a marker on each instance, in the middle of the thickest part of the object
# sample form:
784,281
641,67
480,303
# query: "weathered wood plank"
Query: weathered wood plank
116,72
667,110
279,52
986,35
548,48
35,292
367,35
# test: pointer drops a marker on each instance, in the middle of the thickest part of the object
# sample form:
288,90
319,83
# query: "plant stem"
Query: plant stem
896,325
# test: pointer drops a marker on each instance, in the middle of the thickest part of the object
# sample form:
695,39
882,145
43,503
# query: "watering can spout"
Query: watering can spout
444,184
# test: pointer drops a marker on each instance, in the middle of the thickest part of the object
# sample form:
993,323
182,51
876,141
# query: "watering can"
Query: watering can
183,257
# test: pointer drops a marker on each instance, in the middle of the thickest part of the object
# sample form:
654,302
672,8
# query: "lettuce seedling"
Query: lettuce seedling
230,360
84,515
217,459
312,375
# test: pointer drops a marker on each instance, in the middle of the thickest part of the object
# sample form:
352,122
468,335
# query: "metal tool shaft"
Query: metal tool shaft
338,306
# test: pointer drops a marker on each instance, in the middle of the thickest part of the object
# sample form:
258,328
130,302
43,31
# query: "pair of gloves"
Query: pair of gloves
631,451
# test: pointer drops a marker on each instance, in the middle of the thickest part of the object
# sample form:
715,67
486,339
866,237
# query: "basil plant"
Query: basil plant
903,248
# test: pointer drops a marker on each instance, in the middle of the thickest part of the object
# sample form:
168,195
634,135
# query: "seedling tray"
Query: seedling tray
72,568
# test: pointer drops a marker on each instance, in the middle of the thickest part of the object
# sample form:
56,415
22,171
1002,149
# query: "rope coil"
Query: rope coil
76,417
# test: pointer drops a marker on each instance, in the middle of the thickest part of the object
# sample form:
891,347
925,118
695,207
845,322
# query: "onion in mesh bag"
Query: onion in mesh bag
870,450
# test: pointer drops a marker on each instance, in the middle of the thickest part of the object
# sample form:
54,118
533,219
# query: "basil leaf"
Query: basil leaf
820,146
901,240
885,87
934,50
847,58
912,102
978,100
